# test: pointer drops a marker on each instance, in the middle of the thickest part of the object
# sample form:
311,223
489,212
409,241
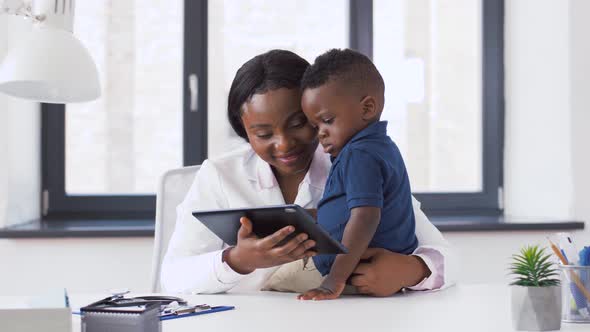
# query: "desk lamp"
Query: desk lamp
49,65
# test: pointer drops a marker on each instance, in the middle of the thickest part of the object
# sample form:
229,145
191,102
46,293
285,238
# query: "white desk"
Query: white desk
461,308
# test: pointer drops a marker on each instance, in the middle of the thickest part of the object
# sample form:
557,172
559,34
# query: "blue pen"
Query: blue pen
585,261
568,248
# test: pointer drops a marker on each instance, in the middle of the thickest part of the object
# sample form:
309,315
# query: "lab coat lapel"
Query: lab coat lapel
267,185
311,188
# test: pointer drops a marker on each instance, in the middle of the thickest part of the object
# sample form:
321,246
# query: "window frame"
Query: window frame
56,204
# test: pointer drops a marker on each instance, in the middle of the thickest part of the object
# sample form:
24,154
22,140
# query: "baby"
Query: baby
367,199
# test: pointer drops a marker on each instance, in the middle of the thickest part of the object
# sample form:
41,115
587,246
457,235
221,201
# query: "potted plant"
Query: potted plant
535,292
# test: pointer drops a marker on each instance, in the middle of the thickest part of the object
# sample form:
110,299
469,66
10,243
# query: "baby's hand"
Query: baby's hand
327,291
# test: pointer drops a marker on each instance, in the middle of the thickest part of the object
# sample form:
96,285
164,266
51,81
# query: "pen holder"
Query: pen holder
575,292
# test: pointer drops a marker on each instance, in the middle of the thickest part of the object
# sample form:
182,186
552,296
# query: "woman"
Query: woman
282,164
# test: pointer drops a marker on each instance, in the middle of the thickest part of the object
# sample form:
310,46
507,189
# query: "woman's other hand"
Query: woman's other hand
386,273
253,253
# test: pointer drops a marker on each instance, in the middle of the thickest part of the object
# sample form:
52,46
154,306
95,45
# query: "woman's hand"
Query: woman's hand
387,272
253,253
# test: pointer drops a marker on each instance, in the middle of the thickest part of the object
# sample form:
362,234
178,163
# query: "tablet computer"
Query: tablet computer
267,220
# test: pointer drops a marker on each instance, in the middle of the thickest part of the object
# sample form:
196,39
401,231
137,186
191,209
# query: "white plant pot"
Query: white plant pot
536,308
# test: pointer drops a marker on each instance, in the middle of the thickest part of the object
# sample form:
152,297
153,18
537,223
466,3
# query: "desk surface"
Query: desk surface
460,308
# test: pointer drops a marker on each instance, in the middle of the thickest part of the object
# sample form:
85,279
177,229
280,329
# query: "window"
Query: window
103,159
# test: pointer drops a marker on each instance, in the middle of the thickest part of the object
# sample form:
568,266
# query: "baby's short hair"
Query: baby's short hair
345,65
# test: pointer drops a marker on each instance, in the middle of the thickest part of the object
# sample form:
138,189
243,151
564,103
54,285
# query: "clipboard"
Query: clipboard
196,313
170,316
137,305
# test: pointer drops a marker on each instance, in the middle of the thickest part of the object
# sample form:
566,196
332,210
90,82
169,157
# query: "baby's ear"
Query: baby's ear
369,106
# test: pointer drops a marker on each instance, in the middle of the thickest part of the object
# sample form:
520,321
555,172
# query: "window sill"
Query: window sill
145,227
81,228
500,223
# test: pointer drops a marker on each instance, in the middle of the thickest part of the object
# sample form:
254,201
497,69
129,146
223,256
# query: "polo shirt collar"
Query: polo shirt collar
377,128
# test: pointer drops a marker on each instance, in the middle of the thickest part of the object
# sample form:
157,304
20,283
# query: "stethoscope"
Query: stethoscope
118,299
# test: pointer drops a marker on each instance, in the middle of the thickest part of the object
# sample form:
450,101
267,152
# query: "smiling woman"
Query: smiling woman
267,113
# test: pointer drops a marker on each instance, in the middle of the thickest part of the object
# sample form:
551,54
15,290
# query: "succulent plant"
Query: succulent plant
533,267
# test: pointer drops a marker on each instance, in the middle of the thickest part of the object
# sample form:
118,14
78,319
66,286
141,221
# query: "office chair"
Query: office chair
173,186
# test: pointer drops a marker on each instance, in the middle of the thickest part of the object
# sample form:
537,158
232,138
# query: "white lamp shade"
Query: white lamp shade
50,66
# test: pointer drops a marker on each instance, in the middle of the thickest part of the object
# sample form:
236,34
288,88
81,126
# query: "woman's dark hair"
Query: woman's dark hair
268,71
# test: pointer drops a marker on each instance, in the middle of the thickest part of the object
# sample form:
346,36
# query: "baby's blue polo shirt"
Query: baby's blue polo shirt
369,171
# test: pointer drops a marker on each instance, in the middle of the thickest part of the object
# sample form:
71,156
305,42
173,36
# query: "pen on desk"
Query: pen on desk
195,313
574,276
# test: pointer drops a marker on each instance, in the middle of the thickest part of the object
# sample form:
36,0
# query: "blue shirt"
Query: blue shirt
369,171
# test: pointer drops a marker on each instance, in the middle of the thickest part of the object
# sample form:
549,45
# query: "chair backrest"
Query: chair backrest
172,189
